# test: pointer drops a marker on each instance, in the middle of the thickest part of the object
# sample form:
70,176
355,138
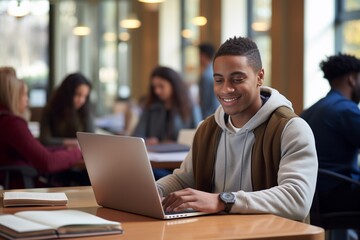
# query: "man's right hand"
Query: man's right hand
194,199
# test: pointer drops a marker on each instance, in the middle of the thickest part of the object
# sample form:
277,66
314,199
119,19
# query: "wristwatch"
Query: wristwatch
229,199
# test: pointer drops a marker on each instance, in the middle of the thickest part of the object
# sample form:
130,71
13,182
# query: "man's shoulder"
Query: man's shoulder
208,122
277,120
283,112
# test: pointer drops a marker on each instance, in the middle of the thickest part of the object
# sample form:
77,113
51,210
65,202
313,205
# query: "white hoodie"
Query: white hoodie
297,174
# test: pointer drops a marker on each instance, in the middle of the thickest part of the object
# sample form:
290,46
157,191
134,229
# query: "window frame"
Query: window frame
342,16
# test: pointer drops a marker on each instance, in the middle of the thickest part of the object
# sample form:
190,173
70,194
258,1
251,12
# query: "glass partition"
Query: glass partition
89,39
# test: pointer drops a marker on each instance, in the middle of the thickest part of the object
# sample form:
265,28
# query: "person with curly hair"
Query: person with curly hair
335,121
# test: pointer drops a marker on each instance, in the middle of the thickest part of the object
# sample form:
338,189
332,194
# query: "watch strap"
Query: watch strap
229,202
228,207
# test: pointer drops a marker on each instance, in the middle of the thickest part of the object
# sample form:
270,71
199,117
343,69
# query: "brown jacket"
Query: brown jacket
266,152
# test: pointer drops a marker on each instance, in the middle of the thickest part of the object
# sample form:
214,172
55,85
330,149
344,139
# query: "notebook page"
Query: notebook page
21,225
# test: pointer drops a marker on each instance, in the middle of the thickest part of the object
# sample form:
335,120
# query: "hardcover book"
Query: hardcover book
11,199
55,224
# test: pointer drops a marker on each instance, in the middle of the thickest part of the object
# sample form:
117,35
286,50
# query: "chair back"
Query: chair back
27,173
334,220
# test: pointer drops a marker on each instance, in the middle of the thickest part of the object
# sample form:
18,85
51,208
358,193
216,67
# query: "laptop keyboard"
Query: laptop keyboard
188,210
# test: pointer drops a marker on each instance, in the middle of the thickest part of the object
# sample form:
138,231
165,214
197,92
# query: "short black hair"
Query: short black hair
241,46
207,49
339,65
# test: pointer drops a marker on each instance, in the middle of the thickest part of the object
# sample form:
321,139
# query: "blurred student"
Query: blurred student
335,121
208,101
67,112
17,144
167,109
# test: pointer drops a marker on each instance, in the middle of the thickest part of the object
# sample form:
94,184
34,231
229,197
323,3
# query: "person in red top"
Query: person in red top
17,144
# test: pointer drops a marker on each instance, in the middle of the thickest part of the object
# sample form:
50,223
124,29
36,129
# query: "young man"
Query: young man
254,155
335,121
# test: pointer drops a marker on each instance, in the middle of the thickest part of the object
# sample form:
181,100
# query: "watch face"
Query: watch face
227,197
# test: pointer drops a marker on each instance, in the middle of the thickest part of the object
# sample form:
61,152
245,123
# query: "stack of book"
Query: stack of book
47,224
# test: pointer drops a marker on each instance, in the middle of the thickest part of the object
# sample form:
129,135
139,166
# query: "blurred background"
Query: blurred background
116,43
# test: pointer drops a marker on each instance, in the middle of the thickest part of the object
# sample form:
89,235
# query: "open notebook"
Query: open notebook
121,175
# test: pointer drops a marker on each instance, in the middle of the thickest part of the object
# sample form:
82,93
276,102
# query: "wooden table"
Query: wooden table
165,165
169,160
262,226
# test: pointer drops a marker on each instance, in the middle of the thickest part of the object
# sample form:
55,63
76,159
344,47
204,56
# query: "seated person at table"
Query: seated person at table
335,121
17,144
167,109
254,155
208,101
67,112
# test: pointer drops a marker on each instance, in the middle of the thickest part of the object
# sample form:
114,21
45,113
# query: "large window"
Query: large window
89,39
190,36
348,27
259,30
86,36
24,44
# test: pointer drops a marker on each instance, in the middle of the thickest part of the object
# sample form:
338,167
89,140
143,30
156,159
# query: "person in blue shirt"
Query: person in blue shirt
335,122
207,99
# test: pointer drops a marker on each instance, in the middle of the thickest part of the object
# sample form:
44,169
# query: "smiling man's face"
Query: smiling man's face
237,87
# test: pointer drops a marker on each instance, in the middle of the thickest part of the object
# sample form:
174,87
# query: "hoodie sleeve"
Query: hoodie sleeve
181,178
297,175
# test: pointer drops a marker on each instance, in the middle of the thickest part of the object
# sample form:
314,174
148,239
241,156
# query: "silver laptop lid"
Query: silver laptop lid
120,173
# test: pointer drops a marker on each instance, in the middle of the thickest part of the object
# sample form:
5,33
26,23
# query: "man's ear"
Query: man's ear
260,77
351,79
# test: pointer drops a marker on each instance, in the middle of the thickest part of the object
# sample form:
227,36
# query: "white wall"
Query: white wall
169,40
319,43
233,18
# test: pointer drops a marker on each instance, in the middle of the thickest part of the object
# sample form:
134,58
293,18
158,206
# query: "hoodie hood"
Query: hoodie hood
275,100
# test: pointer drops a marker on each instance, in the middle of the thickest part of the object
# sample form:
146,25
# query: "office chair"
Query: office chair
27,173
334,220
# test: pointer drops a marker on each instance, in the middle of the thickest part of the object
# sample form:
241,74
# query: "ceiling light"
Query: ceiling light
81,30
124,36
199,21
260,26
151,1
109,37
131,22
187,33
18,8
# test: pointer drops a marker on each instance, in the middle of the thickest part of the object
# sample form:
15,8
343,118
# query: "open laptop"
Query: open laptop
121,175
